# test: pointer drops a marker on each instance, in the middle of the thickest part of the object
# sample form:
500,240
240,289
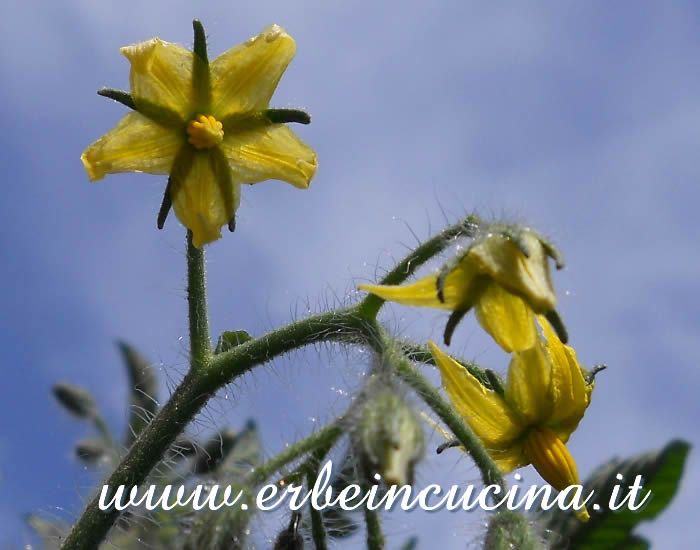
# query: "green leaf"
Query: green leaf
611,530
143,384
230,339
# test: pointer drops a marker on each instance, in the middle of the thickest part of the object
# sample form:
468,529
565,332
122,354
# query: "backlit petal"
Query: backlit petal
204,195
269,151
161,74
569,392
423,292
245,77
528,384
135,144
484,410
500,258
507,318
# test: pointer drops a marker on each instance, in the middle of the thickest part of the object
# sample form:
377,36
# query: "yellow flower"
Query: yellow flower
545,397
206,125
504,275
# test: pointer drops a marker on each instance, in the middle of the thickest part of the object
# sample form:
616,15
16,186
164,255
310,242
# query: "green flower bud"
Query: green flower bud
91,450
75,400
390,438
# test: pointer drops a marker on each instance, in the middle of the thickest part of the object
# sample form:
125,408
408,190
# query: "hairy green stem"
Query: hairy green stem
375,536
200,339
421,354
325,437
318,531
370,306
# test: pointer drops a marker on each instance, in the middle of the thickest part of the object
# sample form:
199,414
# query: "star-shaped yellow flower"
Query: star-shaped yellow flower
205,124
546,394
503,275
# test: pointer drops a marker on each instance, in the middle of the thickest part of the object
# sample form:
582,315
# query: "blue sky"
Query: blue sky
579,119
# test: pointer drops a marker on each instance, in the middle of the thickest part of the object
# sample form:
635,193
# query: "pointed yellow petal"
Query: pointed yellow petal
245,77
423,292
528,385
552,460
135,144
507,318
570,394
161,74
500,258
484,410
204,195
270,151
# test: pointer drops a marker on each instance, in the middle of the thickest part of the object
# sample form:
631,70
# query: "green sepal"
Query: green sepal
282,116
75,400
230,339
201,77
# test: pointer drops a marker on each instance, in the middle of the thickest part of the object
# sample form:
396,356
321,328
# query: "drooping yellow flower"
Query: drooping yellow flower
205,124
504,276
545,396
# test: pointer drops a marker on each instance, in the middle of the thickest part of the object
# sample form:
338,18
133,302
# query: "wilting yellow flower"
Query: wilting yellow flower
545,397
205,125
504,276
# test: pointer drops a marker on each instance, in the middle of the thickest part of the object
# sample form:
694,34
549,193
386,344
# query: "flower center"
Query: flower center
204,132
552,460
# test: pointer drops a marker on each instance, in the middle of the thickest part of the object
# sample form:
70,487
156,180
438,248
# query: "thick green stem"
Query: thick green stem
200,340
369,307
318,531
148,449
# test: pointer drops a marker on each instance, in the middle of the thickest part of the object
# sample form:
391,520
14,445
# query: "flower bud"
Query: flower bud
75,399
91,450
390,438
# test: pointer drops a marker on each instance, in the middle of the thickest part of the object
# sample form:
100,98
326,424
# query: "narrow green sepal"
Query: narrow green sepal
118,95
594,372
452,322
448,445
165,206
558,325
200,40
282,116
232,224
495,381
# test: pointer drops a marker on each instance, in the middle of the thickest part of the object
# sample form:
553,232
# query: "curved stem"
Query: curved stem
323,438
369,307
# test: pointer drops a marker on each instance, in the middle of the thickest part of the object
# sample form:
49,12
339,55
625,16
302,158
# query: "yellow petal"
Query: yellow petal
161,74
135,144
204,195
528,384
245,77
269,151
507,318
552,460
570,394
423,292
500,258
510,458
484,410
